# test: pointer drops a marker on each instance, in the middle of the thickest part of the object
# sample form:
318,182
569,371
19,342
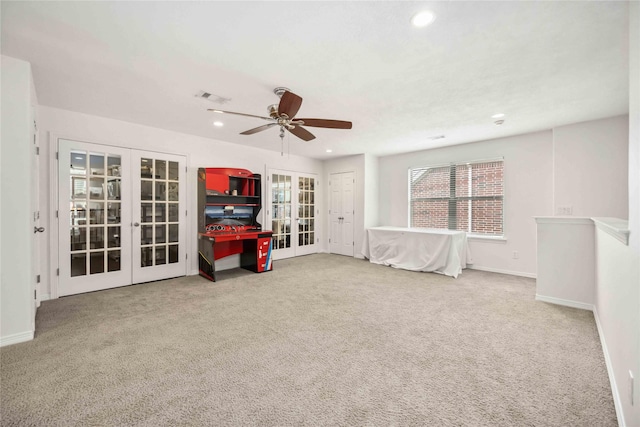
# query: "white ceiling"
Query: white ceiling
543,64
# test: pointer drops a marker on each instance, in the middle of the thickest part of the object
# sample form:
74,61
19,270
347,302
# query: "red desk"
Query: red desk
254,248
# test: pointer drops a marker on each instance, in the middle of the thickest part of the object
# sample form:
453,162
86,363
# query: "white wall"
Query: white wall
371,195
617,307
16,279
354,164
634,124
617,312
200,152
542,170
528,180
588,158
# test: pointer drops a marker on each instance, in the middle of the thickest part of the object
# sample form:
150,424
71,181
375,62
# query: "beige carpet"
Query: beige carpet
321,340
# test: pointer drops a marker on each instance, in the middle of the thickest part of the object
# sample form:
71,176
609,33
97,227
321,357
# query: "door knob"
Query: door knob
38,230
136,224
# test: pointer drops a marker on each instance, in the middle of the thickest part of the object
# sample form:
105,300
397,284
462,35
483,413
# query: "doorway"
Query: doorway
293,209
341,212
121,216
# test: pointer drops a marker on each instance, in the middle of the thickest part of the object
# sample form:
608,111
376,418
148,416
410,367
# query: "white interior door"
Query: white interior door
94,217
103,193
306,221
159,249
293,211
341,213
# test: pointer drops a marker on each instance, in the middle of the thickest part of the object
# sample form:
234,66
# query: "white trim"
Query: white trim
565,302
359,256
563,220
16,338
488,238
194,273
497,270
618,228
45,297
53,221
617,402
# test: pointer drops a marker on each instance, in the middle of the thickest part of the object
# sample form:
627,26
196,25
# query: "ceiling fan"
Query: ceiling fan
283,115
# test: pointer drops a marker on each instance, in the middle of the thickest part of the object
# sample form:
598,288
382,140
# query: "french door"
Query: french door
121,216
293,210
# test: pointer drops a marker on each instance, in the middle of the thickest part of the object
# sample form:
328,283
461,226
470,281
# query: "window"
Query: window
464,196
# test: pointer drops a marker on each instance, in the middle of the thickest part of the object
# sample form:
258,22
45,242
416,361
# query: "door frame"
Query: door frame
53,197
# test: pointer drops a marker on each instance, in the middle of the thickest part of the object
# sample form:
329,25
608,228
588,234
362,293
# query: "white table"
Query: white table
418,249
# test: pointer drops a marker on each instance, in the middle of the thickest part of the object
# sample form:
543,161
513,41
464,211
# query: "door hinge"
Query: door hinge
329,240
186,256
186,212
57,271
37,151
38,278
318,240
56,214
56,155
353,243
34,294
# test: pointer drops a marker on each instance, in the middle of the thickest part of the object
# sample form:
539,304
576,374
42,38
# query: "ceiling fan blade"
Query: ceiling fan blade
238,114
302,133
289,104
258,129
323,123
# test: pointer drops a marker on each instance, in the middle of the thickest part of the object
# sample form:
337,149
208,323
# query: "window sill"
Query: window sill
488,239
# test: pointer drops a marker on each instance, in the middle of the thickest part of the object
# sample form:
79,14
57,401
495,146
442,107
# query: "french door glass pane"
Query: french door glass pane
159,208
90,190
281,208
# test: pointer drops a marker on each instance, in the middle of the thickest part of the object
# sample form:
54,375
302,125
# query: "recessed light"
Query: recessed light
422,19
329,150
498,116
219,124
218,111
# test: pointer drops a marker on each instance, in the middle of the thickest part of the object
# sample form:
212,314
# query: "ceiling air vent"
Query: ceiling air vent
216,99
436,137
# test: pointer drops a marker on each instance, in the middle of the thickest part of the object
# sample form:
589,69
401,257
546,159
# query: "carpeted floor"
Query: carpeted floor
321,340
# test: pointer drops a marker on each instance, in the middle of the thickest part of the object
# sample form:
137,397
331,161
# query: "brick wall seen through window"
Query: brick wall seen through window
467,196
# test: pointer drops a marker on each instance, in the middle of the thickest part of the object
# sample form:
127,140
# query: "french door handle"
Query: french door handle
136,224
38,230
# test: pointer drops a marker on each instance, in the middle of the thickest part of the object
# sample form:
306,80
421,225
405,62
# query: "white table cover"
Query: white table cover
418,249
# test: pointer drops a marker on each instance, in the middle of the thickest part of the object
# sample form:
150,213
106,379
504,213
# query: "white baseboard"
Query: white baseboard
359,256
617,402
565,302
45,297
497,270
16,338
194,272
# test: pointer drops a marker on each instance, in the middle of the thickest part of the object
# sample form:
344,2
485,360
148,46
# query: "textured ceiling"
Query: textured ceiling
543,64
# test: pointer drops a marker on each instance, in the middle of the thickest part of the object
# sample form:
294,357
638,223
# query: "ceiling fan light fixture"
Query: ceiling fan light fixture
422,19
498,116
329,150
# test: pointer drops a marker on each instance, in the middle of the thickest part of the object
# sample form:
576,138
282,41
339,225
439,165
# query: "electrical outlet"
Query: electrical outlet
631,387
564,210
516,255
